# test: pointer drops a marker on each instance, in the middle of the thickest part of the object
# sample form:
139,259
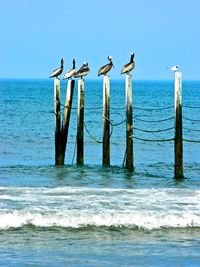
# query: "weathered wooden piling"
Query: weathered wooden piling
58,137
80,123
106,121
178,138
129,123
66,115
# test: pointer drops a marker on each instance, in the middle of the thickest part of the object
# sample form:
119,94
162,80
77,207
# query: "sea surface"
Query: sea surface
92,215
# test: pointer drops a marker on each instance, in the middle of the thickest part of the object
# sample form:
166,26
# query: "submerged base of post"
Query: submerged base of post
106,121
80,123
129,123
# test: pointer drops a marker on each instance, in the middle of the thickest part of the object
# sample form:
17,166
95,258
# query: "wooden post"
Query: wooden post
178,138
106,119
58,139
66,115
80,123
129,122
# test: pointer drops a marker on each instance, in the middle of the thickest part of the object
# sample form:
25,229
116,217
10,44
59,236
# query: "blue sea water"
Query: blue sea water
90,215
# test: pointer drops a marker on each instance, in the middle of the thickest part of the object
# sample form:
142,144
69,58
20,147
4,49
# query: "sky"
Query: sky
36,34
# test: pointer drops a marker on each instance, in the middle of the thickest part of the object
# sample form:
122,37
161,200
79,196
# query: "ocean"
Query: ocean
92,215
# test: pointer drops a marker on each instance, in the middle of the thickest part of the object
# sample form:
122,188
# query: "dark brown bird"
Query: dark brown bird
70,73
83,71
106,68
58,71
129,66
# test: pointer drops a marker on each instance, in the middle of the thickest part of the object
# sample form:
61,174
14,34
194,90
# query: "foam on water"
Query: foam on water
76,207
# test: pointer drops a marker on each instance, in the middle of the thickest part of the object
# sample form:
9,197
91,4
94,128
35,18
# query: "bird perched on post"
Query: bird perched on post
129,66
70,73
58,71
106,68
83,71
173,68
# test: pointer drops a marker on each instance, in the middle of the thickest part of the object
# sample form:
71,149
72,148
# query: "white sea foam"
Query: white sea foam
82,207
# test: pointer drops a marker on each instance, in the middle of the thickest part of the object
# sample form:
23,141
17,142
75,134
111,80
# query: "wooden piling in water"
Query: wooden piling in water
80,123
66,115
106,121
58,137
178,138
129,123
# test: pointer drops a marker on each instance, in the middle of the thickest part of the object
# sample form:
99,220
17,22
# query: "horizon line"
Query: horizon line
93,79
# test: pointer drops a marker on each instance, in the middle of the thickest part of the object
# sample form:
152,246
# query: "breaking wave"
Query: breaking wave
76,207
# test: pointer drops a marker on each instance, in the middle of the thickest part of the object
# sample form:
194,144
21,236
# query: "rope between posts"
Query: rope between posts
187,106
188,119
167,119
151,109
117,124
193,130
153,131
75,145
151,140
118,108
89,108
92,136
191,141
86,108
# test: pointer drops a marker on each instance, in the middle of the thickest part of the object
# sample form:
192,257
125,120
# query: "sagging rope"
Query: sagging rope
188,119
153,140
152,109
91,135
152,131
167,119
191,141
112,124
187,106
192,130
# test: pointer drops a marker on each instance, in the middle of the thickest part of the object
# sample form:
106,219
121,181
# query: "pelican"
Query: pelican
58,71
70,73
106,68
173,68
129,66
83,71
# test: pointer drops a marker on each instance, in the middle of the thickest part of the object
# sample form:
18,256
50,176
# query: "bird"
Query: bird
129,66
58,71
70,73
106,68
83,71
173,68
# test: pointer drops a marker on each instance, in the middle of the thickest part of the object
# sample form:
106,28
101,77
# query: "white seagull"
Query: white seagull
173,68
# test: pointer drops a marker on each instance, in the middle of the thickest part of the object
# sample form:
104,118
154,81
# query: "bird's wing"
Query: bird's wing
103,69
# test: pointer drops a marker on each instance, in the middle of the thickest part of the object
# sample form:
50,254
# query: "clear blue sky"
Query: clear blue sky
35,34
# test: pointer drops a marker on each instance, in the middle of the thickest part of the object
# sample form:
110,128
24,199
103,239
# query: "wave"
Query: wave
76,207
123,220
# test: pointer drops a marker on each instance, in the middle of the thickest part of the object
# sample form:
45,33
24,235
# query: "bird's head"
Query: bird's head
85,64
133,54
110,58
74,63
62,61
